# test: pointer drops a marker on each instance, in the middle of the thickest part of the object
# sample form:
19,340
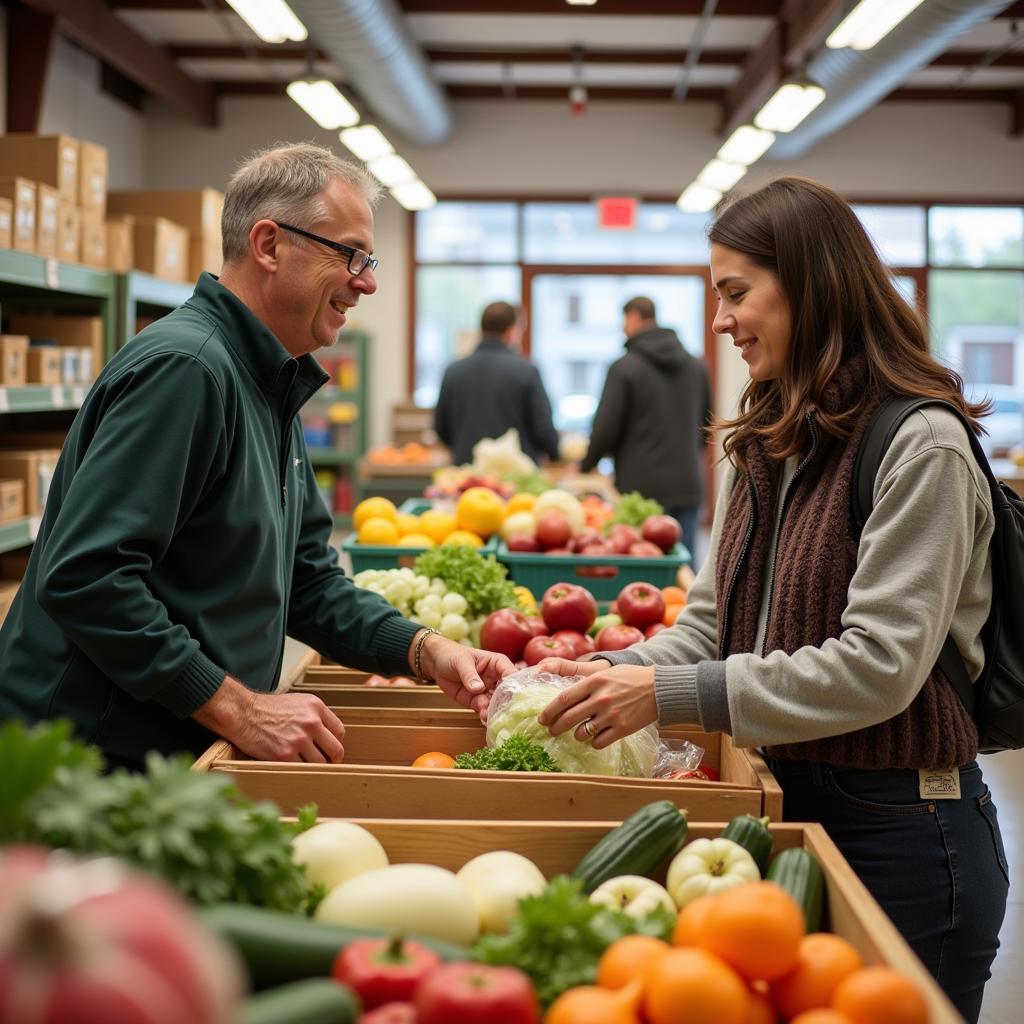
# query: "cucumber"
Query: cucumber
638,846
800,874
278,948
752,834
312,1001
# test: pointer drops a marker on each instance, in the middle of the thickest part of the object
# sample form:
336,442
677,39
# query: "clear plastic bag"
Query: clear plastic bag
520,698
676,757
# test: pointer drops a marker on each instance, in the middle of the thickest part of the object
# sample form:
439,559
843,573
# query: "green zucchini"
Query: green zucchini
277,948
311,1001
800,874
752,834
639,845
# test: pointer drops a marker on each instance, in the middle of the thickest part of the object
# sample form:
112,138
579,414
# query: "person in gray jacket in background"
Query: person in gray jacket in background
494,389
651,418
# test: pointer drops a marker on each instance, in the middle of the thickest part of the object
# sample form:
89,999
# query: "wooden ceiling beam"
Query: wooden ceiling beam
231,51
30,38
91,24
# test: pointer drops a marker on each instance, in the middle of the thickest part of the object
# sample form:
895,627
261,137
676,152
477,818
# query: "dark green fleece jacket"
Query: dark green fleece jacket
183,537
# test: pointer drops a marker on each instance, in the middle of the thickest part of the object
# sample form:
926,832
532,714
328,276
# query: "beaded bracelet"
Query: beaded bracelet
417,669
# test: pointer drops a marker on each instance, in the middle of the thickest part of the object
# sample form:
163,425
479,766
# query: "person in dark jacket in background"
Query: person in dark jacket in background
651,418
184,535
493,390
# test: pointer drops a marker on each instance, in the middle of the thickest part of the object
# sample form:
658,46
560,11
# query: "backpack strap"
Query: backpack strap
882,427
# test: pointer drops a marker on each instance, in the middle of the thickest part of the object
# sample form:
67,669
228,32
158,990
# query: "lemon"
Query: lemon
463,537
521,502
480,510
374,508
436,524
416,540
378,530
407,523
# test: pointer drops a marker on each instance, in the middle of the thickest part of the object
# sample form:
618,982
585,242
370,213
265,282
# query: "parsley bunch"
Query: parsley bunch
632,509
516,754
558,937
483,582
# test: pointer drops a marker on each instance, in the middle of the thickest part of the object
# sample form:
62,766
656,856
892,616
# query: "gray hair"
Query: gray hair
284,183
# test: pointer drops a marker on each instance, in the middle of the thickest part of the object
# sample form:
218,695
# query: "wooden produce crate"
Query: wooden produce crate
556,848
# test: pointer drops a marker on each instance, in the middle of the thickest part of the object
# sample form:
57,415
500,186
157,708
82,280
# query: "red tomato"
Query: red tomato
390,1013
467,993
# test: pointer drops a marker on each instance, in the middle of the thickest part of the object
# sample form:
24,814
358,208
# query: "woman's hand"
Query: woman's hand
465,674
614,702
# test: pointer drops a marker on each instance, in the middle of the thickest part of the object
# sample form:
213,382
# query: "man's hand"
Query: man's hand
274,726
466,674
616,702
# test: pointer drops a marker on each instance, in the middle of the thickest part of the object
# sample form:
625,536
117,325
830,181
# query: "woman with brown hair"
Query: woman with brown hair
802,641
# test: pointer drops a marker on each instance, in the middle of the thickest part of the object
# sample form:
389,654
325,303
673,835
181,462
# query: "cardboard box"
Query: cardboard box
51,159
22,194
120,244
204,254
69,233
93,239
12,500
161,248
44,366
92,177
83,332
35,467
13,360
198,210
70,363
47,220
6,223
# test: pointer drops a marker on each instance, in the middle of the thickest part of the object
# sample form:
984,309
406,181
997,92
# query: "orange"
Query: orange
589,1004
480,510
672,613
373,508
673,595
415,540
407,523
823,961
690,922
434,759
760,1009
436,524
378,530
880,995
690,986
822,1016
756,927
627,958
521,502
463,537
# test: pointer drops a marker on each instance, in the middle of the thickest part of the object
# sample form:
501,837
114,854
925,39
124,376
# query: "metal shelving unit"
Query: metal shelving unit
142,294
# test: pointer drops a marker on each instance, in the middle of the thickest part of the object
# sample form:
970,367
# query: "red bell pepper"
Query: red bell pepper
383,970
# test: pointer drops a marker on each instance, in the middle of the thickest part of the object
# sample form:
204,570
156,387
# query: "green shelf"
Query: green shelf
331,457
42,397
24,270
18,533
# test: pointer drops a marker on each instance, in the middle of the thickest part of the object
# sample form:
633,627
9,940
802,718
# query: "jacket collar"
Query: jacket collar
253,345
493,343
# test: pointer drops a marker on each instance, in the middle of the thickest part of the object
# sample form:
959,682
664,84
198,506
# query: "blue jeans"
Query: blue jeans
936,867
687,519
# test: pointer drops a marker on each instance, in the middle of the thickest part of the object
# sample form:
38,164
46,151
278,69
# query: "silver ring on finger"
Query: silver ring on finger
588,727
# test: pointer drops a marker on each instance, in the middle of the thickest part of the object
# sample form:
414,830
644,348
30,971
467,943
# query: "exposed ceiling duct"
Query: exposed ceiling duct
368,39
855,80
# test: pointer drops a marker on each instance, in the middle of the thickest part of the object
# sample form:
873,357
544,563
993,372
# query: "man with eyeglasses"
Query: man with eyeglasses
184,536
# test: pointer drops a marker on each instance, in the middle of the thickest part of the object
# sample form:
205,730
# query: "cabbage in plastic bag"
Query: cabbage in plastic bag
520,698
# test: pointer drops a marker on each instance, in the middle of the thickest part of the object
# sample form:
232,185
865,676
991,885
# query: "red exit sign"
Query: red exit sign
617,212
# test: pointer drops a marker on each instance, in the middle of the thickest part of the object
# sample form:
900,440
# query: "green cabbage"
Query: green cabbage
514,710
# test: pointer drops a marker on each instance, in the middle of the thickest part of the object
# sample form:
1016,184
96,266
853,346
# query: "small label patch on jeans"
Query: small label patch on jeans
939,783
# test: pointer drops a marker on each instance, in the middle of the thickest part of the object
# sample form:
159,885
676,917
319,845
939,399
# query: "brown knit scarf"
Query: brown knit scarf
814,563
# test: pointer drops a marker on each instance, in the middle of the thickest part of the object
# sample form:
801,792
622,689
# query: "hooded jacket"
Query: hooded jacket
655,404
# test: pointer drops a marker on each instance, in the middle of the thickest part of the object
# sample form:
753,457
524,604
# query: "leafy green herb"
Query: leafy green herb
532,483
516,754
632,509
558,937
482,581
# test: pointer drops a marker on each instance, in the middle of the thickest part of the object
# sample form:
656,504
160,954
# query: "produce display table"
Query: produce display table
850,911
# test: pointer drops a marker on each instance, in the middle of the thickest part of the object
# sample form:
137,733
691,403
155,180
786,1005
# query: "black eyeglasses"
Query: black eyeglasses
358,260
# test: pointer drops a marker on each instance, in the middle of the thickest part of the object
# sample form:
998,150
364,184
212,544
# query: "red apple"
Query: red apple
541,647
645,549
585,537
505,631
568,606
538,627
641,604
581,643
663,531
621,535
553,529
653,629
522,542
618,638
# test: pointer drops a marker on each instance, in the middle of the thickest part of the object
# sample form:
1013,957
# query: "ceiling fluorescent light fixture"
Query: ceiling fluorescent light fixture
367,142
718,174
322,101
391,170
792,102
746,145
272,20
414,195
868,22
581,3
698,198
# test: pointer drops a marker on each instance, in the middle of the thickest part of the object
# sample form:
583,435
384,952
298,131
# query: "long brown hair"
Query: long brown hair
842,301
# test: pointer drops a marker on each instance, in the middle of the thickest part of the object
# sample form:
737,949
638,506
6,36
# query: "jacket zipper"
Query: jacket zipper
739,565
809,416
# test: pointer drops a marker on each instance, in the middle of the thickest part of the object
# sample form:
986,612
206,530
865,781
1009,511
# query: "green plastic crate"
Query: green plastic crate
391,556
537,571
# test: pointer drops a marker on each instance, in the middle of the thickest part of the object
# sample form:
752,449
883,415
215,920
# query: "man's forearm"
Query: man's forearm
231,703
